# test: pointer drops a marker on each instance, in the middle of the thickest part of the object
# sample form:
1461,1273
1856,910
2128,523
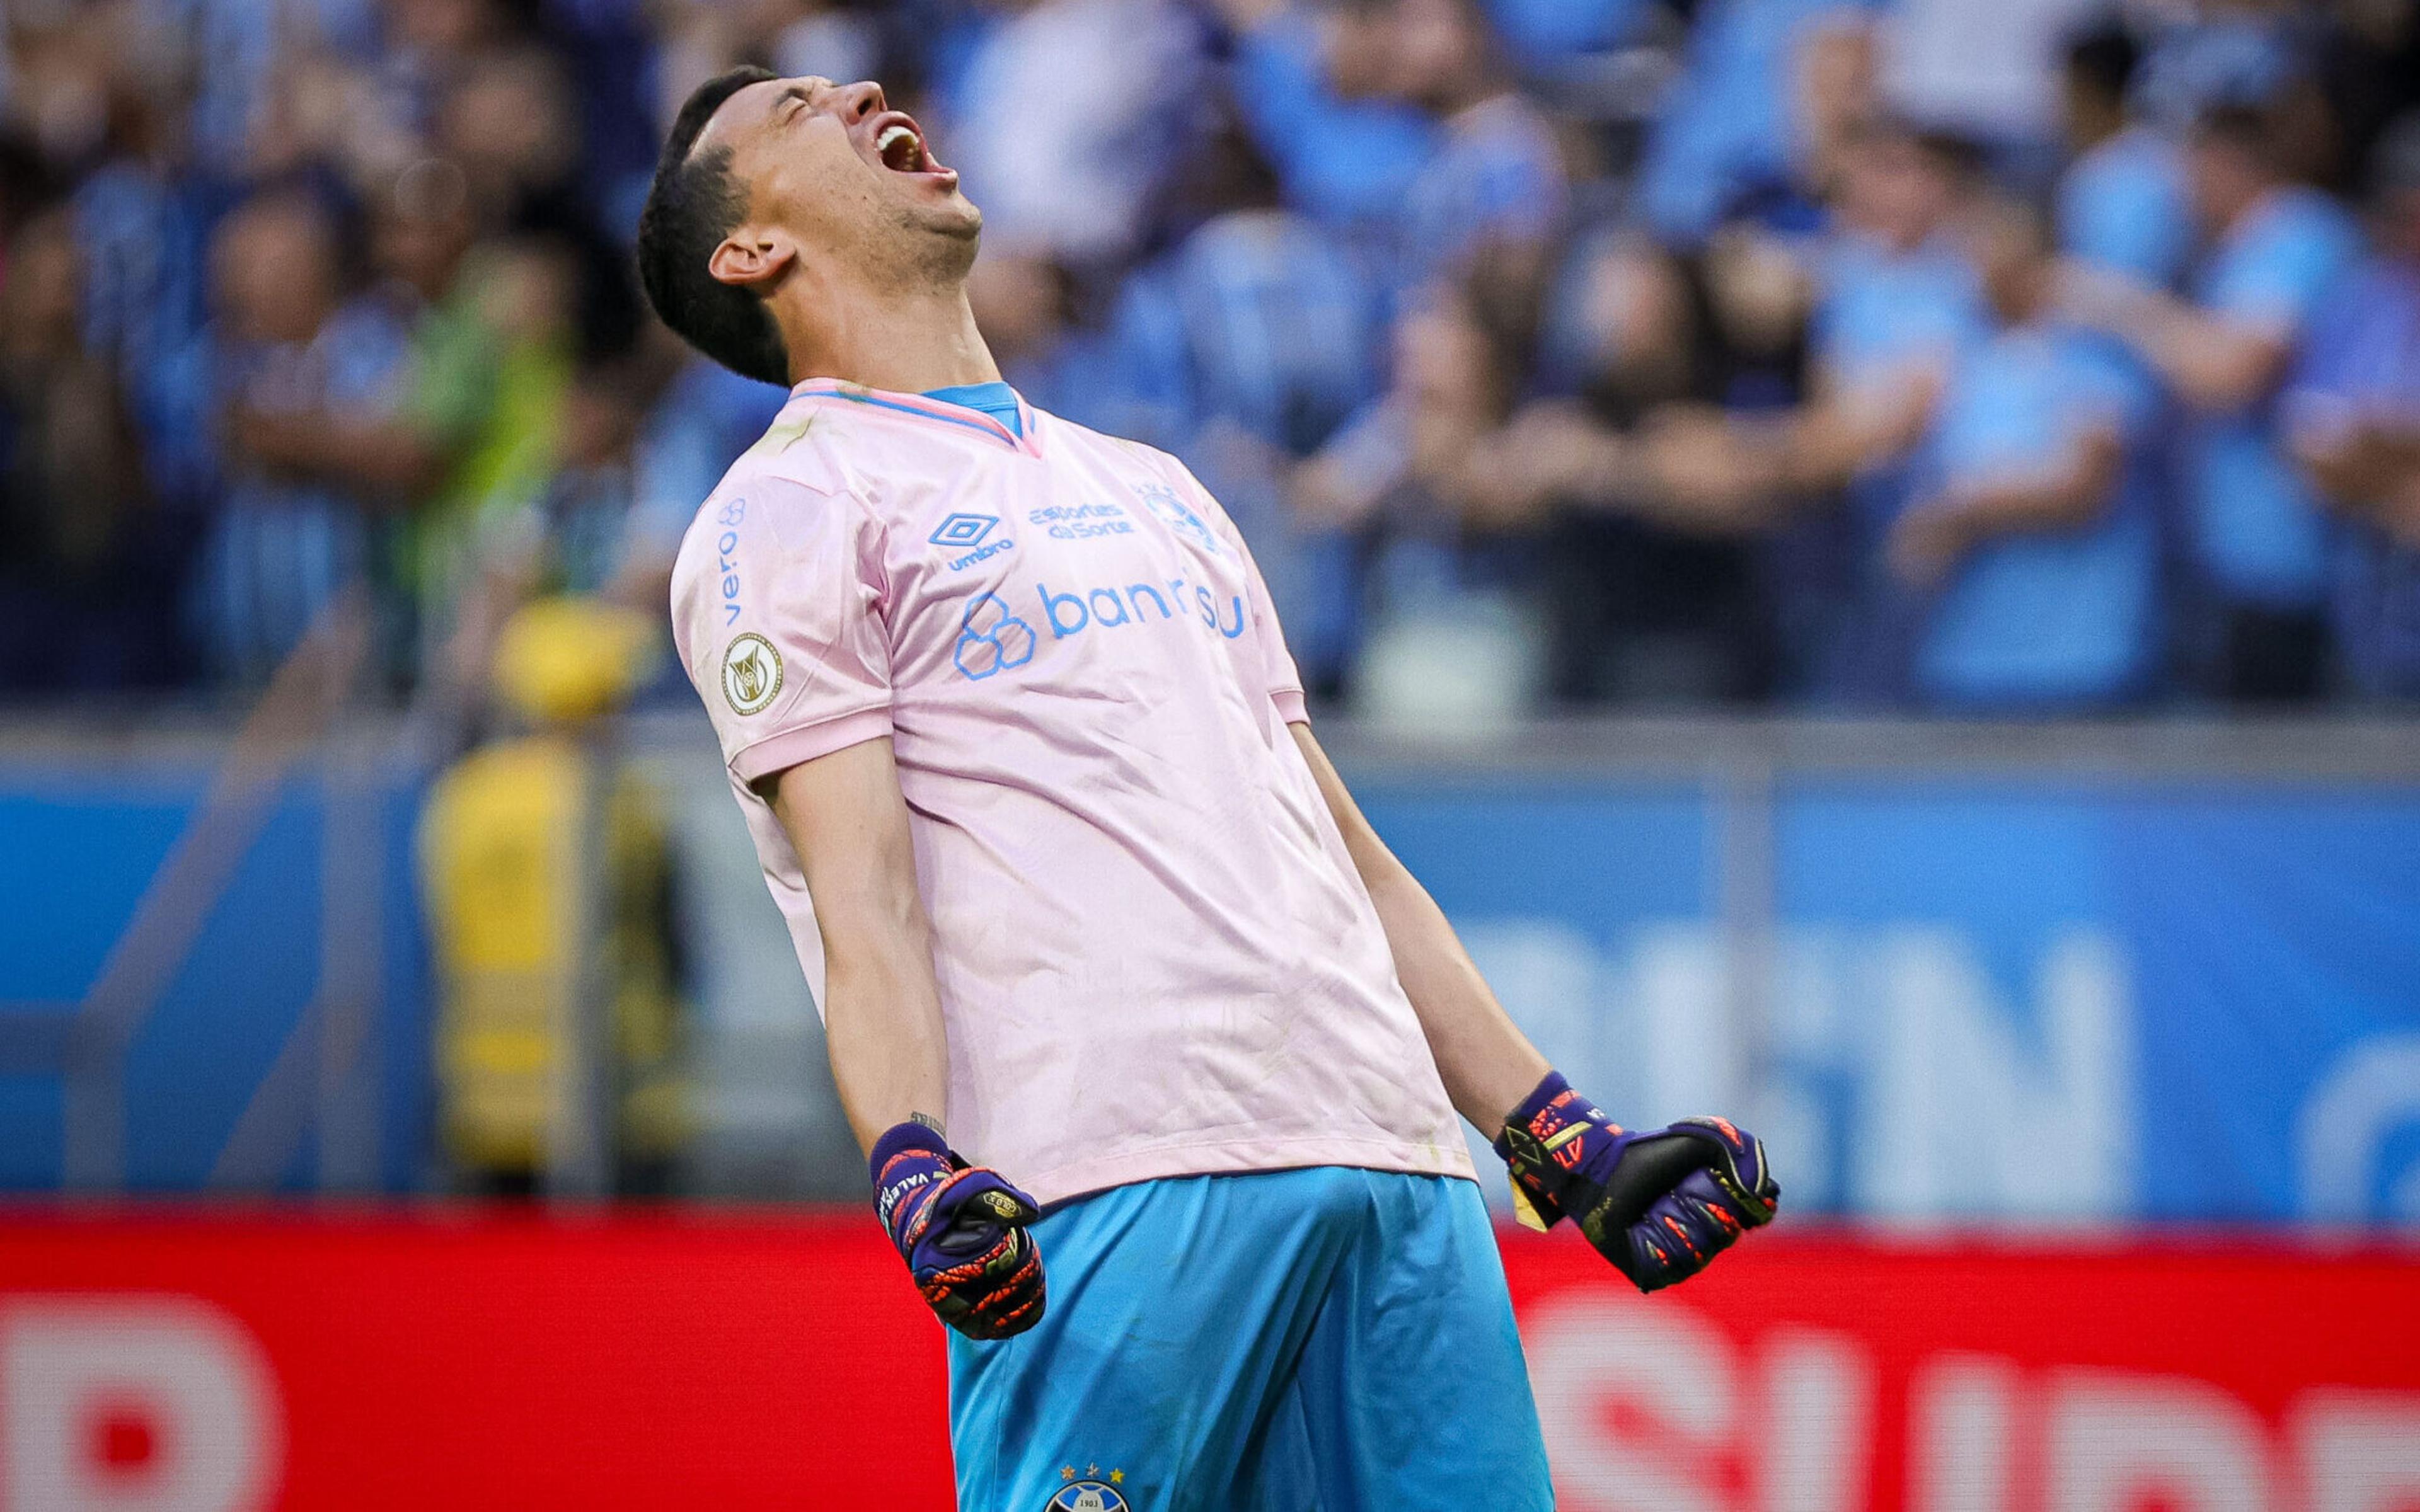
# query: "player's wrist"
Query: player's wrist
1548,1139
909,1164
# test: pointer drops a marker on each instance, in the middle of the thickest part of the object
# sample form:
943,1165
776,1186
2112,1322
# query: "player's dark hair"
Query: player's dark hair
2105,57
692,205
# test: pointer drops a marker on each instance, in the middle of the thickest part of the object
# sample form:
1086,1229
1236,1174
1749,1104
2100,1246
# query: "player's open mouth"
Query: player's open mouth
900,150
899,145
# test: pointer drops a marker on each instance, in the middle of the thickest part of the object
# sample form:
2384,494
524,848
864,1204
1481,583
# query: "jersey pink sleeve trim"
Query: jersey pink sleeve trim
779,753
1290,705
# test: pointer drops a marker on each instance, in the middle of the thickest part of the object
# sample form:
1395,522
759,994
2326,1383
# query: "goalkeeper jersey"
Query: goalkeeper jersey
1155,956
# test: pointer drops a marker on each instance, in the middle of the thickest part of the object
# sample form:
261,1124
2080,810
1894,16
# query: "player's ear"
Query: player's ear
751,256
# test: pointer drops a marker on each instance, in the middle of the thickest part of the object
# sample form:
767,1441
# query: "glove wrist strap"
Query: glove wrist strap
1533,1115
1545,1121
909,1161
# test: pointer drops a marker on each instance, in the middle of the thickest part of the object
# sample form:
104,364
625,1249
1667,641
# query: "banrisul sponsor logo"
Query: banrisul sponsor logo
970,534
1081,522
1140,604
993,639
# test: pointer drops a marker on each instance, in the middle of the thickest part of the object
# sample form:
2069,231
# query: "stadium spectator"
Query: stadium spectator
600,524
1244,350
1261,319
1443,573
1544,34
2212,54
1494,189
1069,173
144,207
1308,89
1896,304
1644,602
525,295
288,532
1743,321
2121,201
2028,543
80,584
1727,134
2354,419
1987,70
2255,538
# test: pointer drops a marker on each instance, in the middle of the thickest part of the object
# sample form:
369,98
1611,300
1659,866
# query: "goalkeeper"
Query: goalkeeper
1154,1049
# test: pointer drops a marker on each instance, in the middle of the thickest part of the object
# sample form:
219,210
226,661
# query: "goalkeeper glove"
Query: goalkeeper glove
961,1229
1660,1204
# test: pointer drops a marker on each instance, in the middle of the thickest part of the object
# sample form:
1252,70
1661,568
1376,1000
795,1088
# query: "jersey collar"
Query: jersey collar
937,410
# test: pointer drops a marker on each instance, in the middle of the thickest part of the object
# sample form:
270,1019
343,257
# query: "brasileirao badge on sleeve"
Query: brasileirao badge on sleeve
751,672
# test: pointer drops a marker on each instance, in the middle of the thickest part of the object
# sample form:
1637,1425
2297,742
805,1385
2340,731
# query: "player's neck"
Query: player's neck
903,340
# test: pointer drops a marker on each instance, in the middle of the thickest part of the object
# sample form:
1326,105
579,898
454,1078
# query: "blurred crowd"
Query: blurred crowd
1983,355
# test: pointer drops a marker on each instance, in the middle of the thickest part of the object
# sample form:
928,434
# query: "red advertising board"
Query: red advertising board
470,1359
1812,1374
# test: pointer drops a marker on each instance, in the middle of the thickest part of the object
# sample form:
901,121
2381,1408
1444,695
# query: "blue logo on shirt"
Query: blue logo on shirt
1078,522
990,638
1162,501
962,530
968,530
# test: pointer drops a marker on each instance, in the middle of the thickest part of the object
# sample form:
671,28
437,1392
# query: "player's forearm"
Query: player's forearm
1487,1063
889,1054
882,1007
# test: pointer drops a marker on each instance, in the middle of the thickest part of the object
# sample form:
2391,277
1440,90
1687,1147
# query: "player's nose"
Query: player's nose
856,102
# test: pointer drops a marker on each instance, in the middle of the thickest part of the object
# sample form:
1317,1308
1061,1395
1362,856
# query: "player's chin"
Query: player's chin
951,213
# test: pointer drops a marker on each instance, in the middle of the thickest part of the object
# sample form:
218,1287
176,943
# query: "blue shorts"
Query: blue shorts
1317,1340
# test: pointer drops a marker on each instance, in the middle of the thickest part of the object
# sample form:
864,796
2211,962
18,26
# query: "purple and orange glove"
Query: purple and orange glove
961,1229
1660,1203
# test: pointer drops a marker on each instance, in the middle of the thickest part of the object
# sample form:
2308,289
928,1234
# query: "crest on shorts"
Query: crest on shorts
1089,1492
751,672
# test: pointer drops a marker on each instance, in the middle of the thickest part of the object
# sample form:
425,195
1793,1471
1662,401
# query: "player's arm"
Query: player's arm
882,1011
1659,1204
1488,1064
960,1228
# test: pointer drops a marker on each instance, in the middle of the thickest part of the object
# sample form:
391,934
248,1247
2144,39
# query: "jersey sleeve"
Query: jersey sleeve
1284,683
777,608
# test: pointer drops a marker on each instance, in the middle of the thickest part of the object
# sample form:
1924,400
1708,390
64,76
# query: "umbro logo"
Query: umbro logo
963,530
965,534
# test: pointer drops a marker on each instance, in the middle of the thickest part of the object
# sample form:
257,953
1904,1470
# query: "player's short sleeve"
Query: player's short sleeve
777,608
1284,683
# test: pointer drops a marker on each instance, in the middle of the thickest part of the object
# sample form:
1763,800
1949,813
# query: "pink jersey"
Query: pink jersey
1155,956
